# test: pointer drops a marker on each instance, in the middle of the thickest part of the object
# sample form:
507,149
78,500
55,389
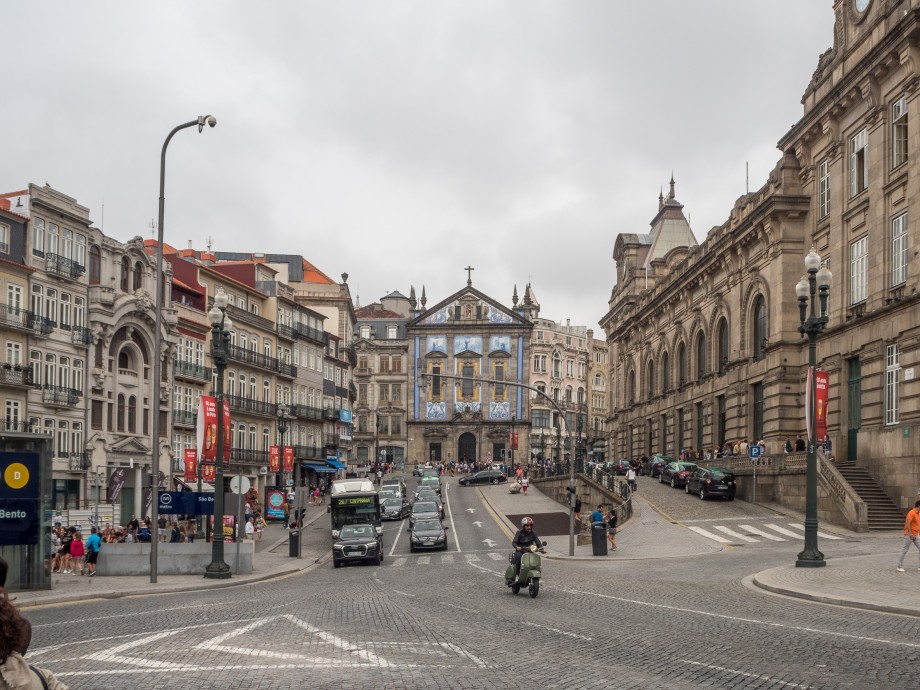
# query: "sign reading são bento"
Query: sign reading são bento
20,494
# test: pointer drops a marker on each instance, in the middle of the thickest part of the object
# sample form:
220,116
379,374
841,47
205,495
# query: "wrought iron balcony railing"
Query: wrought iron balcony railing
191,370
41,324
14,316
62,266
81,335
256,407
58,395
184,418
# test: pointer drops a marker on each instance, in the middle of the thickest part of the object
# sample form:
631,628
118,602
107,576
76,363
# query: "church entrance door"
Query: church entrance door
466,447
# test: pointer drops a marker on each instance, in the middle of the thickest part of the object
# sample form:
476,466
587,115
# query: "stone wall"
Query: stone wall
172,559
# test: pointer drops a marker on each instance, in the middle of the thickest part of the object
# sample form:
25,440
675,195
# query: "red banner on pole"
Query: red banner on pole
207,428
289,458
191,464
274,459
514,441
207,473
228,433
822,380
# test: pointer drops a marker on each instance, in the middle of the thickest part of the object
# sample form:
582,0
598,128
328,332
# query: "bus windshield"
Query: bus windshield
355,509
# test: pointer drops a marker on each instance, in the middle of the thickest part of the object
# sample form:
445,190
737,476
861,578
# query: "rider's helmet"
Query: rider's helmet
526,522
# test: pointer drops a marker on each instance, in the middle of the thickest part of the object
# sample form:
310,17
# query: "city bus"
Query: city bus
355,508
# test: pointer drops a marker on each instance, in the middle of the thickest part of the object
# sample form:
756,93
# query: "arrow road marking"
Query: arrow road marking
471,510
478,523
488,542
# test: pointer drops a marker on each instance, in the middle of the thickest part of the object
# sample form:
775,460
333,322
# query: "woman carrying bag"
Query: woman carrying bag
612,527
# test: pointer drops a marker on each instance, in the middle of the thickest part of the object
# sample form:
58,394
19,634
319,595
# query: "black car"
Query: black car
427,534
429,482
356,544
430,495
652,466
676,473
424,510
483,477
620,468
394,508
712,481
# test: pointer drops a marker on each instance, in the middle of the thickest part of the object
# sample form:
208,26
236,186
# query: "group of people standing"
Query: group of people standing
70,554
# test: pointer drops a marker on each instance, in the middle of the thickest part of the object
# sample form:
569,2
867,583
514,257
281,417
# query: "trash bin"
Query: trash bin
294,544
599,539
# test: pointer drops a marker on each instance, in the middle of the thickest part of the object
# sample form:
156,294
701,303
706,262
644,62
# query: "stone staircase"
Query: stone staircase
883,514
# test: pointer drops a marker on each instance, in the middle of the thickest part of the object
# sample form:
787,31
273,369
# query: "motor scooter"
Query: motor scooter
530,574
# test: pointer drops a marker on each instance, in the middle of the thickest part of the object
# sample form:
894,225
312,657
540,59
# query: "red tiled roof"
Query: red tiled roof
311,274
182,285
16,263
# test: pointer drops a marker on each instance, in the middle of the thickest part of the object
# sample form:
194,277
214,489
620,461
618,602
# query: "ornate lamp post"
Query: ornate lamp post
812,317
282,429
220,342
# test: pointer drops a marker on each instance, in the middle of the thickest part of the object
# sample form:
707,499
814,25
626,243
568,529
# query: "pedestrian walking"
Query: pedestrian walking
66,541
161,528
631,478
250,528
76,553
911,534
191,531
93,544
612,527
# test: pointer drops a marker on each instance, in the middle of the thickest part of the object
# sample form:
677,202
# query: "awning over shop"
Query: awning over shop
336,464
319,469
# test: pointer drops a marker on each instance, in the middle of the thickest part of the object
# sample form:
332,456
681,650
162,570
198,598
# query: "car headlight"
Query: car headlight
415,538
372,546
336,547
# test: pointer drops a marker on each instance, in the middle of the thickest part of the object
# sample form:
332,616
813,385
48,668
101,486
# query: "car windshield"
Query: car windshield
428,525
392,503
721,475
356,532
426,507
685,467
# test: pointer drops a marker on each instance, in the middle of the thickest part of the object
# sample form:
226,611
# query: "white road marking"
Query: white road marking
557,630
761,533
736,535
399,561
471,557
132,615
453,528
462,652
496,556
112,655
490,543
821,534
471,510
782,530
447,558
773,681
462,608
710,535
478,523
424,560
405,594
396,538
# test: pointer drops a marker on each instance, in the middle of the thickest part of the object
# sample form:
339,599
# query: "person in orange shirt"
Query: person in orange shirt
911,534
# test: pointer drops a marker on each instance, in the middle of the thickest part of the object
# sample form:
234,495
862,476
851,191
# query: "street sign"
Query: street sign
290,482
19,499
185,503
239,485
754,451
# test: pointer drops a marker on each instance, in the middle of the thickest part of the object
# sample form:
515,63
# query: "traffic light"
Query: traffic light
503,454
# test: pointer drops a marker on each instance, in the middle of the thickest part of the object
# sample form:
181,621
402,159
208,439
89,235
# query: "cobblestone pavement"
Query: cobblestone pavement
425,621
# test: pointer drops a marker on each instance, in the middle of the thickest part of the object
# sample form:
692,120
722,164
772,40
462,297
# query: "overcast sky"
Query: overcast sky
402,141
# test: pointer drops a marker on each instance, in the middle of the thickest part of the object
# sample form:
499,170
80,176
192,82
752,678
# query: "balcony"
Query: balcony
40,324
288,370
312,334
81,335
16,375
286,332
309,453
15,317
191,370
243,316
363,371
184,418
306,412
79,462
332,439
256,407
58,265
22,427
256,359
330,415
102,294
248,455
58,395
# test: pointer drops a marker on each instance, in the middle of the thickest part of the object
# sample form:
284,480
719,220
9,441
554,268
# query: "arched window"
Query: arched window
568,394
759,327
681,365
723,345
95,265
125,272
580,396
120,424
132,415
138,275
665,373
631,388
649,379
557,366
700,355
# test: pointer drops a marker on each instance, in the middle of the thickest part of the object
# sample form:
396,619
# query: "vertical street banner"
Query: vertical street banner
191,465
289,458
207,473
821,385
116,481
228,433
514,441
207,428
274,459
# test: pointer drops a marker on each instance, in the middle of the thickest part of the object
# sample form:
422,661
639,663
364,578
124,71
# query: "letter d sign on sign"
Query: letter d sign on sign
16,475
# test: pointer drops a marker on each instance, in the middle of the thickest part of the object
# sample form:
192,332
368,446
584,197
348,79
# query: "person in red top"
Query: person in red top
911,534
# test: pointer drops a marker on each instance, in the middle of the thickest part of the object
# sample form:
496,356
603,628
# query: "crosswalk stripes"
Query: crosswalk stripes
496,556
424,560
398,562
447,558
435,559
471,557
748,534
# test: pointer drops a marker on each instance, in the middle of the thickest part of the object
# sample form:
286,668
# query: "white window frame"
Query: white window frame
859,162
899,255
4,238
859,267
824,189
892,380
38,236
899,132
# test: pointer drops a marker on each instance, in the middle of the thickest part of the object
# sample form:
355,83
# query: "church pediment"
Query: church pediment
468,307
130,445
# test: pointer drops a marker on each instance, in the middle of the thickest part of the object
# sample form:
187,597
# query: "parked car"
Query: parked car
712,481
357,543
427,534
676,473
394,508
652,466
483,477
620,467
424,510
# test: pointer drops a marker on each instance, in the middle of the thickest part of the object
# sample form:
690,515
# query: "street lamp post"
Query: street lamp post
812,315
282,429
201,121
220,341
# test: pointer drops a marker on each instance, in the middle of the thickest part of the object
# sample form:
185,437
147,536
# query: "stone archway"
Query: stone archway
466,447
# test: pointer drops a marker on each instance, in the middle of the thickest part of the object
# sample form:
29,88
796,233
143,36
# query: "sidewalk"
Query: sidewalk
866,581
271,560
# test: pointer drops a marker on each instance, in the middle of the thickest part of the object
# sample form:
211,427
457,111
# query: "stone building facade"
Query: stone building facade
704,340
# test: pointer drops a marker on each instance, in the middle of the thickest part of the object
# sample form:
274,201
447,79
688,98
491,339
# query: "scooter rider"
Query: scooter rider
522,541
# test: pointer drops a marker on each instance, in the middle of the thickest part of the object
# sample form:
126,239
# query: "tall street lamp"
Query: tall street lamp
817,283
220,343
282,429
201,121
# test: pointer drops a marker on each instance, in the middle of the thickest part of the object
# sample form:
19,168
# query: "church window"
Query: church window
859,162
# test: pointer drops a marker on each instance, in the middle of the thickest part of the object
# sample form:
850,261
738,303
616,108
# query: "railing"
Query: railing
81,335
313,334
331,439
16,375
257,359
854,509
309,453
14,316
40,324
191,370
79,462
363,371
306,412
256,407
286,331
330,414
258,457
244,316
62,266
285,369
22,427
184,418
57,395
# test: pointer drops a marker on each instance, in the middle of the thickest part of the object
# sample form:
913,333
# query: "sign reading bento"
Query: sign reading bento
19,499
